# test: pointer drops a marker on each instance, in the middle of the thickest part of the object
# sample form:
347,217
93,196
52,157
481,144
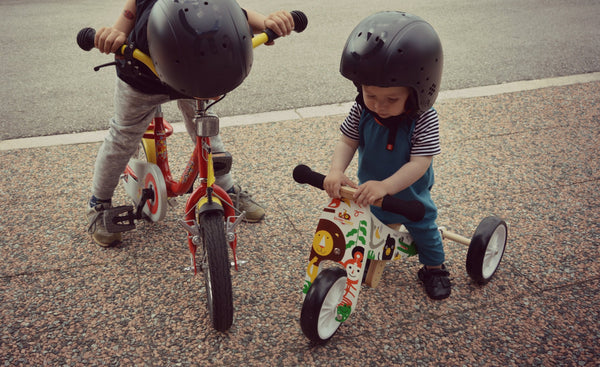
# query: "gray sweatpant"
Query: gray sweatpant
134,111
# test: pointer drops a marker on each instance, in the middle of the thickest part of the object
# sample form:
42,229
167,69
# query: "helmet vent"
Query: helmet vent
432,89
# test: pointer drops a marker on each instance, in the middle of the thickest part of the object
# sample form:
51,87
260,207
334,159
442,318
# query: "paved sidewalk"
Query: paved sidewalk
530,157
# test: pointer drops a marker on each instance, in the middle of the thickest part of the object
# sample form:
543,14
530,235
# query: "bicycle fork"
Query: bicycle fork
209,197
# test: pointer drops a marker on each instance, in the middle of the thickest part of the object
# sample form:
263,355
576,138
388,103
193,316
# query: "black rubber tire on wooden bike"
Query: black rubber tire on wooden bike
486,249
215,266
319,310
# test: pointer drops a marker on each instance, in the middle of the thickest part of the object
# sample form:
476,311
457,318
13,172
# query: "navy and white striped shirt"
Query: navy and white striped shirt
426,134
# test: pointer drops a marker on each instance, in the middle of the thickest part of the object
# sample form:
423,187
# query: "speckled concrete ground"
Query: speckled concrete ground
529,157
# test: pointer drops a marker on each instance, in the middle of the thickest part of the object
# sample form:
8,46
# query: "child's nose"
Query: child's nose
376,106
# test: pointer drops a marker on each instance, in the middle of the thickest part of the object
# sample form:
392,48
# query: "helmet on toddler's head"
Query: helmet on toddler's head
200,48
395,49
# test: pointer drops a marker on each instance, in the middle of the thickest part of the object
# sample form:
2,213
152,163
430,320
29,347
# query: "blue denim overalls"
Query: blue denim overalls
376,162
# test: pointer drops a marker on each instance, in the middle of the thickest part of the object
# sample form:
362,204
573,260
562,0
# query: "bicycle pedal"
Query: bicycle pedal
119,219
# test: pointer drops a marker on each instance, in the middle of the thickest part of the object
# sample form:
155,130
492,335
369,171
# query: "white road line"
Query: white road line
307,112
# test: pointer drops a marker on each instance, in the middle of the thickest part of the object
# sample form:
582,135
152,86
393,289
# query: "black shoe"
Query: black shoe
436,282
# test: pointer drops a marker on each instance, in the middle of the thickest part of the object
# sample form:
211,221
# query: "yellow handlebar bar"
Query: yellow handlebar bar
142,57
259,39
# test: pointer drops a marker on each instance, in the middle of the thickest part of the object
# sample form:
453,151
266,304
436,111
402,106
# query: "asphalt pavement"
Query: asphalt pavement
528,156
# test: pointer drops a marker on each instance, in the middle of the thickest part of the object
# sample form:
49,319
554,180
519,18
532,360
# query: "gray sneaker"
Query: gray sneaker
242,201
96,227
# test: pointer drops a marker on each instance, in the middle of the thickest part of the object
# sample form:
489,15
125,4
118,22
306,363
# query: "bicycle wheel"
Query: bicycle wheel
214,263
318,317
486,249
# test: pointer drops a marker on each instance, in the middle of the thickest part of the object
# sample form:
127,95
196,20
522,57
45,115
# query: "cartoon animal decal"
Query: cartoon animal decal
354,272
328,244
388,248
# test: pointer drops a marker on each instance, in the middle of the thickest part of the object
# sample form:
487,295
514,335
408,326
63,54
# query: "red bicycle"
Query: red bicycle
210,218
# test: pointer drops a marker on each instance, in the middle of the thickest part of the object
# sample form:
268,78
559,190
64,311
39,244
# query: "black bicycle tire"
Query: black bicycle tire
217,275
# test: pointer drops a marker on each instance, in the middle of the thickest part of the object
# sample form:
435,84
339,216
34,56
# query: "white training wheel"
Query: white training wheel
147,176
486,249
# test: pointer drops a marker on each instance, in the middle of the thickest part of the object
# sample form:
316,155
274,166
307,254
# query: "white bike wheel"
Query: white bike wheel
486,249
319,316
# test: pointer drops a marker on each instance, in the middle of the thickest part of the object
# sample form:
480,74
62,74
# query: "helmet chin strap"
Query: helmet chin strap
391,123
216,101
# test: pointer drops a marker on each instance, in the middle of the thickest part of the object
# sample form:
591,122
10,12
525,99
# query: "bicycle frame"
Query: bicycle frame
349,235
200,166
207,192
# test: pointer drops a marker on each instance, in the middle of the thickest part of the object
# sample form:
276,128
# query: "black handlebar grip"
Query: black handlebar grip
304,175
85,38
413,210
300,23
300,20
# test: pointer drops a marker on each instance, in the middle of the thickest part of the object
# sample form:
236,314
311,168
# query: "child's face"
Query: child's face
386,102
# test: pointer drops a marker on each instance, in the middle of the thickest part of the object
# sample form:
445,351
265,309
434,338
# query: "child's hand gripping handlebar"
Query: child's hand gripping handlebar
300,23
413,210
85,40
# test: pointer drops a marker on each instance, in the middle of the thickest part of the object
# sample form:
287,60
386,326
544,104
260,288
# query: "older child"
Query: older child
395,60
181,38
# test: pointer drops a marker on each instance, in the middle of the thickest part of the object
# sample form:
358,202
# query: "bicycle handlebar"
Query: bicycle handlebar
413,210
85,38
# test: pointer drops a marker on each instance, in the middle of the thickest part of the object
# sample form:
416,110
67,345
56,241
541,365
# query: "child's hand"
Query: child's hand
108,39
334,181
280,22
369,192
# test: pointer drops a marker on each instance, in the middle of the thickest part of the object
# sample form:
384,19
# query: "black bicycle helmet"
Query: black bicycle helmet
392,49
200,48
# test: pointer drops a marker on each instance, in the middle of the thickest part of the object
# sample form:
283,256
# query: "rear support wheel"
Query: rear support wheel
486,249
